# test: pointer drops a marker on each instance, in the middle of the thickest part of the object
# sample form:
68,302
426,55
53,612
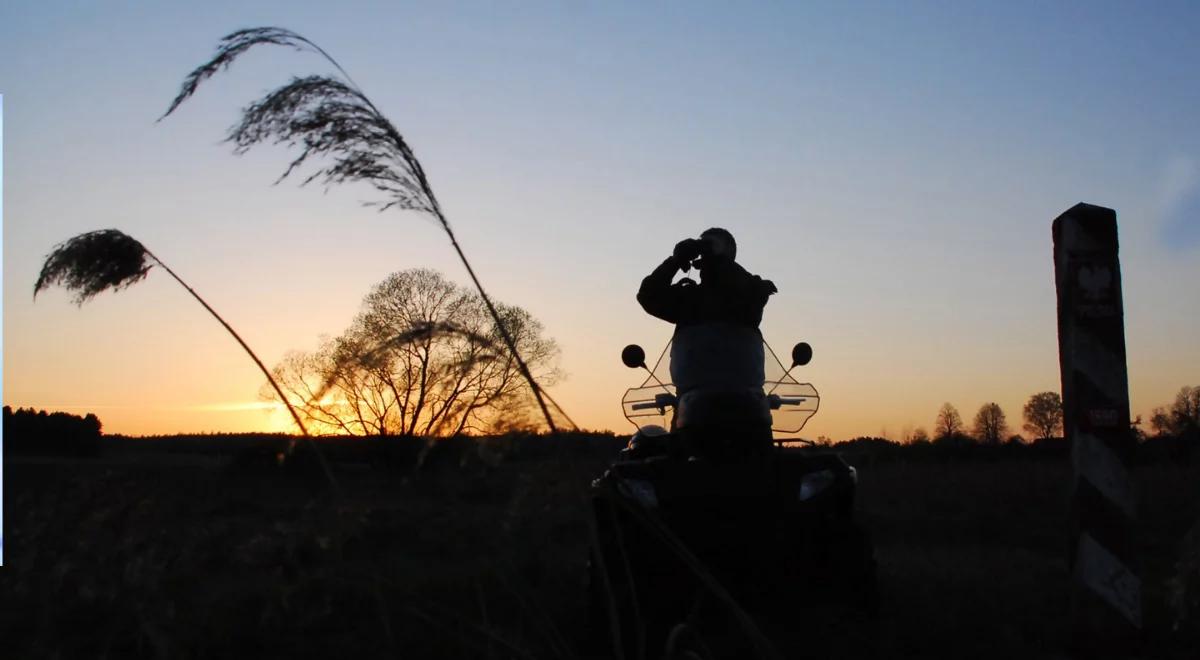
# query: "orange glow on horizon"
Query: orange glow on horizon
272,417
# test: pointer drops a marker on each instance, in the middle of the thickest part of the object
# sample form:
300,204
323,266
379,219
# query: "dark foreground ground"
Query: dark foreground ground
481,554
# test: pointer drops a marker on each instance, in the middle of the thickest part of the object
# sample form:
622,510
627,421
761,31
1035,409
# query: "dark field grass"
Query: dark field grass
481,554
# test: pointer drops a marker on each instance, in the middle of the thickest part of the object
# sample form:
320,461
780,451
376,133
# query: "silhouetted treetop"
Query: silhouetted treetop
1186,410
37,431
991,424
949,423
423,357
1182,417
1043,414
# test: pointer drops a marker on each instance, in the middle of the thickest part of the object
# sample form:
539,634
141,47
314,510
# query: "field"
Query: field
480,553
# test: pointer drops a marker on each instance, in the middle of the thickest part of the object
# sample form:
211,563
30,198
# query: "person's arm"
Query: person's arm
656,295
765,288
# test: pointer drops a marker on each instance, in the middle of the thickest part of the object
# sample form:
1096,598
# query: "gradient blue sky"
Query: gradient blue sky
893,167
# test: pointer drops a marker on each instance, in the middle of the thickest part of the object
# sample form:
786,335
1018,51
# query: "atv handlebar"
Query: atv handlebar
660,402
777,401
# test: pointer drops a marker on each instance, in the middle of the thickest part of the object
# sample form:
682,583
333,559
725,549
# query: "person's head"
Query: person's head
720,244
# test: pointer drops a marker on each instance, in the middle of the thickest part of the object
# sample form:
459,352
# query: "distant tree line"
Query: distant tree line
1181,419
868,450
1042,415
29,431
1174,428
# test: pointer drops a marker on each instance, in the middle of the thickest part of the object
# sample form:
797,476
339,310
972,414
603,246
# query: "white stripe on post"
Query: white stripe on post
1098,464
1108,578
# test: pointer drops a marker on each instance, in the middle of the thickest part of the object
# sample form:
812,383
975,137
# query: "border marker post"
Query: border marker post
1106,588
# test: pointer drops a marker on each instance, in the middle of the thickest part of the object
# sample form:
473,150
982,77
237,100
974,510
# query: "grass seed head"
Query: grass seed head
91,263
323,116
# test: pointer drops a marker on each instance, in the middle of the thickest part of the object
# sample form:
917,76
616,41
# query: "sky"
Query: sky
893,167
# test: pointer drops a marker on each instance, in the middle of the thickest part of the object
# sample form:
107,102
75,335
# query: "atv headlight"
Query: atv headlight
814,483
853,475
640,490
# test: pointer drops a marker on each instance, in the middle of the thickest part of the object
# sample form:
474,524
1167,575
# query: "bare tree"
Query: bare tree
949,423
1044,415
1185,412
990,424
422,357
1160,421
1181,417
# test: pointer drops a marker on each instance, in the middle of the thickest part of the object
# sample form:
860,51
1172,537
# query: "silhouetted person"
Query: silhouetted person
717,349
726,292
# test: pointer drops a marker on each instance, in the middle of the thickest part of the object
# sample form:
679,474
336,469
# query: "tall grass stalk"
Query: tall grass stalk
330,116
96,261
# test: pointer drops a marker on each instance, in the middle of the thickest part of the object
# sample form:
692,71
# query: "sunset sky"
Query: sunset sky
893,167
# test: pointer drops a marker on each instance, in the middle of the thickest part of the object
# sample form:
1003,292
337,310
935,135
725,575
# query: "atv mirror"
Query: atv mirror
633,356
801,354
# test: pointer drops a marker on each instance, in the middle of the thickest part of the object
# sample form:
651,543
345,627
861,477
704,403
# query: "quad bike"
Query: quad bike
700,528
